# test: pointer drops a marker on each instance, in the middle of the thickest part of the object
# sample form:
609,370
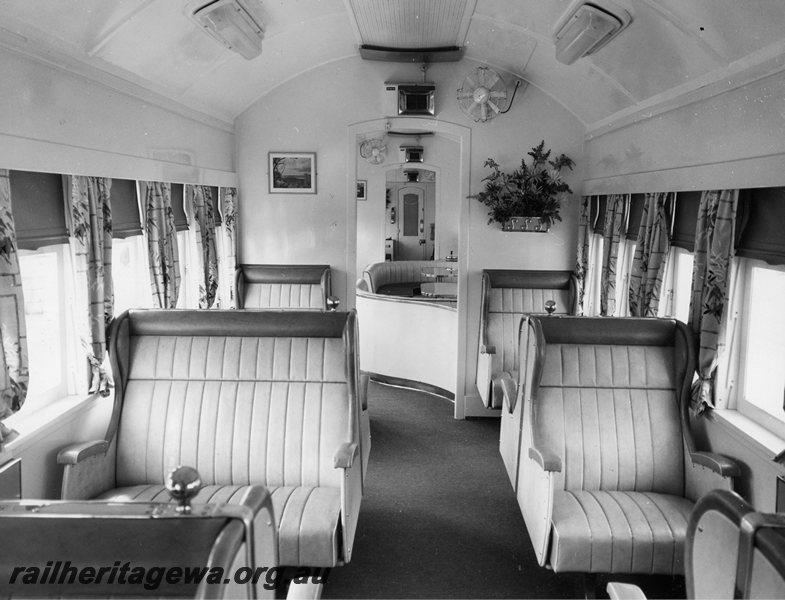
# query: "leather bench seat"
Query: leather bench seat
301,287
611,473
246,397
307,518
400,278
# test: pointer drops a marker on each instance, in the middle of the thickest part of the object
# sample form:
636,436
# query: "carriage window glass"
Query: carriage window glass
764,353
130,274
682,288
42,282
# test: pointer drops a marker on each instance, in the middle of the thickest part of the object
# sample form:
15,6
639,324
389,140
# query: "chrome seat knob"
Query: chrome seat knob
183,483
550,306
333,302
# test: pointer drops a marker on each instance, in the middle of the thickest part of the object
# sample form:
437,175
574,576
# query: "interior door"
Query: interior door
411,224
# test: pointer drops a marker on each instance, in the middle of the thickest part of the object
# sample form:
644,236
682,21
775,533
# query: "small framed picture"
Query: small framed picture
361,183
292,172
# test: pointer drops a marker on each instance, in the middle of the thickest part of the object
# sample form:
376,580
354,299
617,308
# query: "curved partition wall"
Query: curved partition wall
408,342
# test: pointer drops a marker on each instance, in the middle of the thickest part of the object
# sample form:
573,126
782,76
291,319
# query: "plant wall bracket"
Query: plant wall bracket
526,225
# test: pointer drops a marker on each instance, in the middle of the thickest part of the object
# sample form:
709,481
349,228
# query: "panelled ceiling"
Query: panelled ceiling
672,48
415,24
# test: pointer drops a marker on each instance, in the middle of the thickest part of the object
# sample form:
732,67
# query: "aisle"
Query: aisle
439,517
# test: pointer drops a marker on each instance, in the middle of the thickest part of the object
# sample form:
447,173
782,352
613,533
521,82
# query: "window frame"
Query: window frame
69,380
739,329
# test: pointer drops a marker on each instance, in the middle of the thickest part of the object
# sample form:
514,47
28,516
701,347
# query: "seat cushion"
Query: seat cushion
307,517
619,532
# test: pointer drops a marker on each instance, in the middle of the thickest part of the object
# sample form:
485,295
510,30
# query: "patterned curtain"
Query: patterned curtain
584,249
199,199
615,220
13,334
651,251
161,243
229,208
89,213
714,241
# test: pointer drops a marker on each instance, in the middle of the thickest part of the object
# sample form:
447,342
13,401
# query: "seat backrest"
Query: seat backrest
380,275
245,397
118,549
610,400
507,295
283,286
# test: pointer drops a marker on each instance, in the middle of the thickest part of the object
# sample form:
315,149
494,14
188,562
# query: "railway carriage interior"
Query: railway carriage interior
392,298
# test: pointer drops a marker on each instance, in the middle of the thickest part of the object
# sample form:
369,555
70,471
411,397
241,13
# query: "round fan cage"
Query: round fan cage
480,94
373,151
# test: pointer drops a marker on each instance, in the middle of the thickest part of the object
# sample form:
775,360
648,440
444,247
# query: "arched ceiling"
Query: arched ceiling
671,49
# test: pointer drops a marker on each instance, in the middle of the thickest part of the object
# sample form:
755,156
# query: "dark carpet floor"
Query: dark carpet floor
439,517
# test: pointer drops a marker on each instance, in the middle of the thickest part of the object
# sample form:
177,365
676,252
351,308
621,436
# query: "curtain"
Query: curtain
200,202
13,335
650,259
228,205
615,220
161,243
89,214
714,241
584,249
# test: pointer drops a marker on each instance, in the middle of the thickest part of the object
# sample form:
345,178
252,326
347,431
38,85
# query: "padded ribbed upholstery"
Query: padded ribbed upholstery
506,307
246,397
507,297
630,532
242,410
262,385
298,287
283,295
610,412
388,274
306,516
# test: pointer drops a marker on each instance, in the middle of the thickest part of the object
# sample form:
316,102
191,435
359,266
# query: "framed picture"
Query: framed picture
361,183
292,172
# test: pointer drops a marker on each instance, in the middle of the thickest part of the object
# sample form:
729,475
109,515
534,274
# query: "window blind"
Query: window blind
39,211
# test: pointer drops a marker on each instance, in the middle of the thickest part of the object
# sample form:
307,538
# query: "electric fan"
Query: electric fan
480,93
373,151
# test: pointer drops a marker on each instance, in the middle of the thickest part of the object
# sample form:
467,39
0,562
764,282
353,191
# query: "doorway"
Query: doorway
411,222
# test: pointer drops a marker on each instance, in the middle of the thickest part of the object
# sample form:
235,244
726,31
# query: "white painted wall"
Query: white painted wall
735,139
428,351
312,112
58,122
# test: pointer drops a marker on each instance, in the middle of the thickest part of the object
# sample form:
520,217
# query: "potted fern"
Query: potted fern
529,198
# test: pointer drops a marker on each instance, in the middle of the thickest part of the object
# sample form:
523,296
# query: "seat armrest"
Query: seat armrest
721,465
76,453
487,349
510,390
624,591
548,461
345,455
706,471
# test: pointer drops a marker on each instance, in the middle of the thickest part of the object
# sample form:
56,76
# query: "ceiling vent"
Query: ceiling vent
586,27
237,24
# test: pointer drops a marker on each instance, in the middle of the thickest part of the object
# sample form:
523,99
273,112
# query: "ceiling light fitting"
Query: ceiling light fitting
586,27
237,24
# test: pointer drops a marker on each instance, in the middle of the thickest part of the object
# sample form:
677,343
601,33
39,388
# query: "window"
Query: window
45,294
683,263
130,274
762,354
